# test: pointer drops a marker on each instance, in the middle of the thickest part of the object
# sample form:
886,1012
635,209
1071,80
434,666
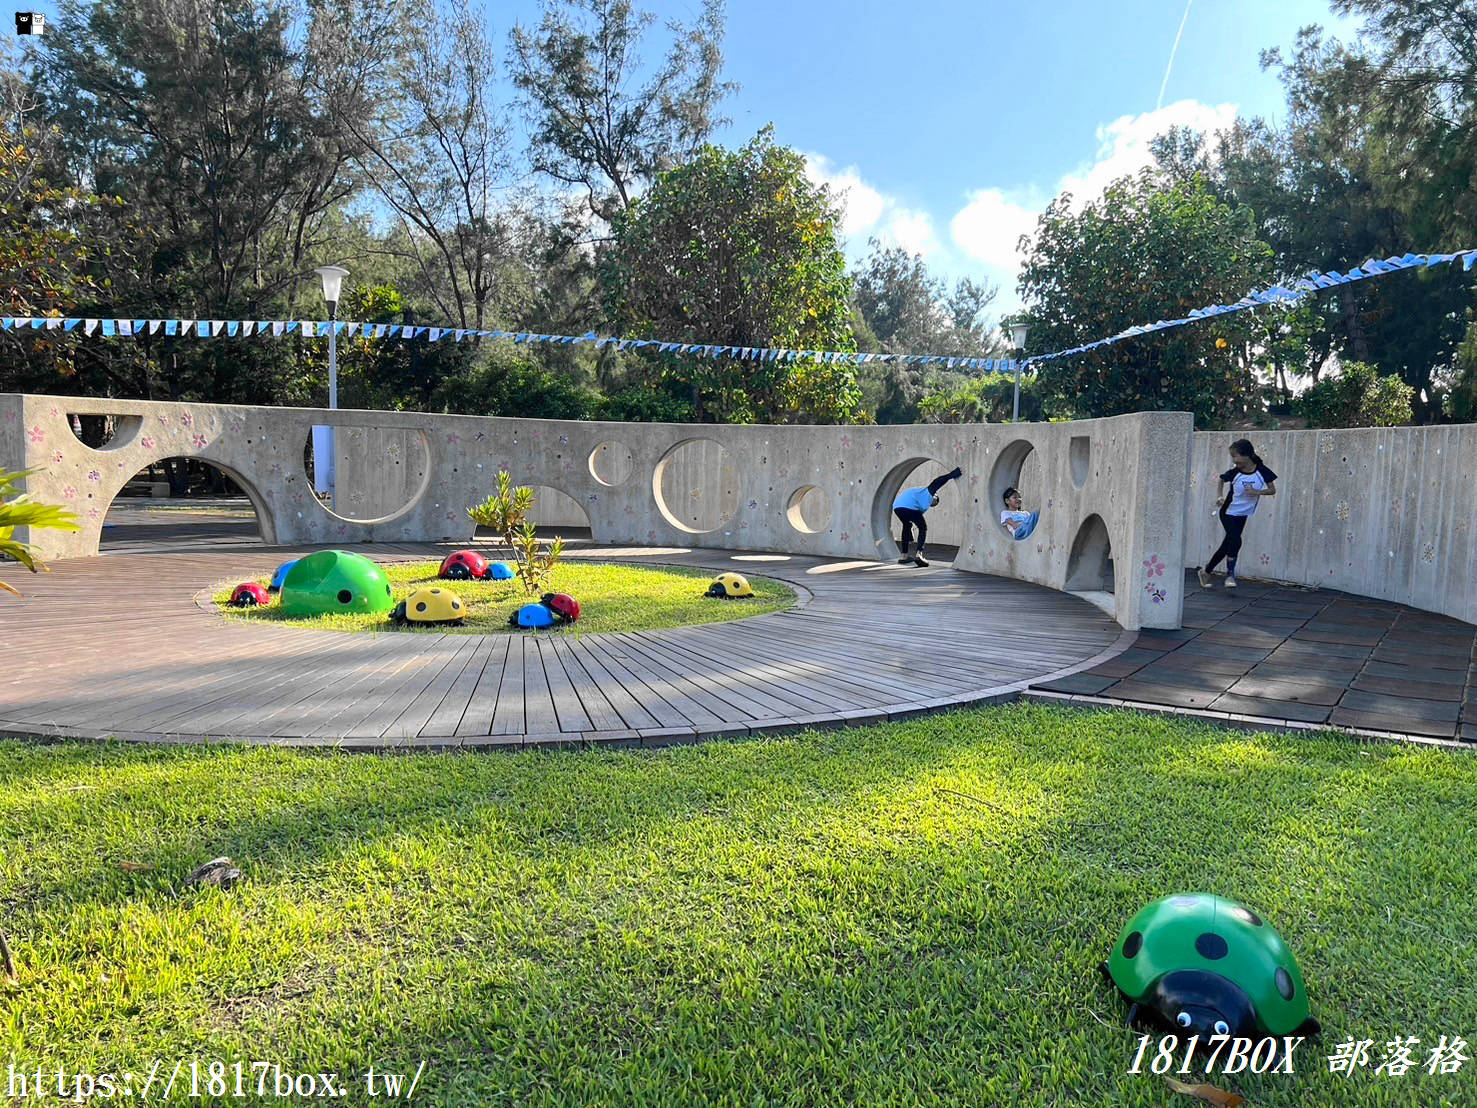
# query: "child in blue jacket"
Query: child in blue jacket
910,506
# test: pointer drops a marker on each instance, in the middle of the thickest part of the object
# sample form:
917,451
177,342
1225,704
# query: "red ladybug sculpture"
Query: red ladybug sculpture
464,565
564,606
249,595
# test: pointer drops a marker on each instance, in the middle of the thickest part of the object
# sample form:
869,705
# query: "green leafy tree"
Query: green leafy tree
1376,156
203,118
1358,397
1149,249
739,248
594,127
903,309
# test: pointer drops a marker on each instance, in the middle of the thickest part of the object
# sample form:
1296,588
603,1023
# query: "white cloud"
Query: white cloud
871,214
1123,145
990,225
983,234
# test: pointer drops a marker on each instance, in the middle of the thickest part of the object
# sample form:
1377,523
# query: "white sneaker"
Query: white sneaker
1205,581
1230,582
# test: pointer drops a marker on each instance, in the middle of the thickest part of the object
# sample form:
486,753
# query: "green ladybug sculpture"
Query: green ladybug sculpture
1202,965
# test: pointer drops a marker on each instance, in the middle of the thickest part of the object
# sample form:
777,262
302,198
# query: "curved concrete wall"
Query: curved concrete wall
1382,512
1111,492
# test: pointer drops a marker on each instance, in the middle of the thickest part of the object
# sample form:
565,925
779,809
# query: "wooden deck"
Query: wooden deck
117,646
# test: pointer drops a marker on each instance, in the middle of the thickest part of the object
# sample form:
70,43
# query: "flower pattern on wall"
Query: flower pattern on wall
57,457
1342,511
147,442
1428,552
38,435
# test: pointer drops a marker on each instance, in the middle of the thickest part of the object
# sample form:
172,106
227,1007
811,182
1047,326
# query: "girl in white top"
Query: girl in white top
1250,480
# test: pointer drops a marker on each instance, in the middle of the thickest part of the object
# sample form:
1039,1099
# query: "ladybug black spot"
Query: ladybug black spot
420,606
1284,983
1247,916
1210,945
1133,943
344,596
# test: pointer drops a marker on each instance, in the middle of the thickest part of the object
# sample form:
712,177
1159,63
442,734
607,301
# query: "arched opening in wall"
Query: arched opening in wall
1017,466
945,523
554,513
178,502
1090,565
377,473
809,510
696,486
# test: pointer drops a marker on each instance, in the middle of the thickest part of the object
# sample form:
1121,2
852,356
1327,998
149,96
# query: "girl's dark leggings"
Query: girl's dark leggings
911,518
1231,545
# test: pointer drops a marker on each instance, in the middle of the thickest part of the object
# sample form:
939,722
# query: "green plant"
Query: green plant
535,565
22,511
505,510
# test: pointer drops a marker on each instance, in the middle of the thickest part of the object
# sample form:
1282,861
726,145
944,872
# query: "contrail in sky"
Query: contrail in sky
1172,51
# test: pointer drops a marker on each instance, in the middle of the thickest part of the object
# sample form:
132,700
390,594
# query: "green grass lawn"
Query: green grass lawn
910,913
613,597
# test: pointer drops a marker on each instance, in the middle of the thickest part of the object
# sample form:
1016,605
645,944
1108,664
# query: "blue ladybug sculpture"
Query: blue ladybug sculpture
1198,964
280,574
499,571
532,615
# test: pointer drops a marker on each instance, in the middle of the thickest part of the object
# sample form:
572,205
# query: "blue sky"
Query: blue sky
951,124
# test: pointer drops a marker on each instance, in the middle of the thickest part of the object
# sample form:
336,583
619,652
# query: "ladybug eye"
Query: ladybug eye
1221,1028
1183,1019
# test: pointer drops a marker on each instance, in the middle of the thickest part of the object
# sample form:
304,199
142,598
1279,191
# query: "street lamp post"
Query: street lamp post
1018,340
333,279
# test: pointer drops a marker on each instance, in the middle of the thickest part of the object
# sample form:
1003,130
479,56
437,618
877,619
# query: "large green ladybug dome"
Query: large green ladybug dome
1207,965
335,581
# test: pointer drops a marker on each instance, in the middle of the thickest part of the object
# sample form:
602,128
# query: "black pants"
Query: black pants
1231,545
911,518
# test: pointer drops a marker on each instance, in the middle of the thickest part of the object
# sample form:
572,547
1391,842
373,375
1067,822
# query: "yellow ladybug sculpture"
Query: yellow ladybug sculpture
430,606
730,586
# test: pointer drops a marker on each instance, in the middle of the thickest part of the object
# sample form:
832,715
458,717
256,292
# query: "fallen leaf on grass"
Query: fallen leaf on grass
1208,1093
136,867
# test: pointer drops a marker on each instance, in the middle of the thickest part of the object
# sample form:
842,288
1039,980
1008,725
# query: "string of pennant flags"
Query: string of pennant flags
214,328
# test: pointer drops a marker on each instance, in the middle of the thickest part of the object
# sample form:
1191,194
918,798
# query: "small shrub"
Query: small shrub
506,512
1358,397
535,565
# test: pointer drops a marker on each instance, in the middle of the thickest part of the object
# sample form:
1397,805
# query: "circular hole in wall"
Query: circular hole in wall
611,463
809,510
1018,466
695,486
377,473
105,431
912,473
